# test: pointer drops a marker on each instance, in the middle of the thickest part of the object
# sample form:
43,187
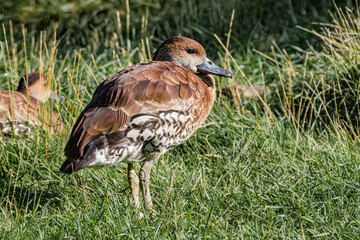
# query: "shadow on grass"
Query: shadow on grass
14,194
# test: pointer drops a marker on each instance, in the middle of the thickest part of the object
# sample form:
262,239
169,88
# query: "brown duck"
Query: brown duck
24,105
144,110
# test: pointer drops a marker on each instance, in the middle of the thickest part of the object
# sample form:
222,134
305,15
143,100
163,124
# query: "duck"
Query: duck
144,110
22,108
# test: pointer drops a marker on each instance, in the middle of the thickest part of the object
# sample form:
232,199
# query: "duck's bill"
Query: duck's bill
209,67
57,98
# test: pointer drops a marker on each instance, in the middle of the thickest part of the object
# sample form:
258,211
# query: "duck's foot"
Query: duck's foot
150,214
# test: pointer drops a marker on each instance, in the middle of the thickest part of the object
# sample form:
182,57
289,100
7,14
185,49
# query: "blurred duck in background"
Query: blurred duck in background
22,108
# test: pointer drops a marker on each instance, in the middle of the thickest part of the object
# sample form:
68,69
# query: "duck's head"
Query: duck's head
37,85
189,54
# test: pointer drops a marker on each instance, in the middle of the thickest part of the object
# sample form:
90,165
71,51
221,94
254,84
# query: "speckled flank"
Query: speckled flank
147,134
17,128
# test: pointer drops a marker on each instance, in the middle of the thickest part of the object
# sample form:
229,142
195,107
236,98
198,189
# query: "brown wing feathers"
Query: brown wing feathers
147,88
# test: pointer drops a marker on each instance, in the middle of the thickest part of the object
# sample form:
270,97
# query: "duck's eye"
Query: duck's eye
190,51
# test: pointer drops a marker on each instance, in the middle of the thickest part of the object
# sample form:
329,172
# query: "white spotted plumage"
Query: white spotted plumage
169,130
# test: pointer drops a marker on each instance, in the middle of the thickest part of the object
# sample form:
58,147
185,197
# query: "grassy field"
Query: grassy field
283,166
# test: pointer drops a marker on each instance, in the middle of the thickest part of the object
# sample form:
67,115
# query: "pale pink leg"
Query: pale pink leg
144,176
134,184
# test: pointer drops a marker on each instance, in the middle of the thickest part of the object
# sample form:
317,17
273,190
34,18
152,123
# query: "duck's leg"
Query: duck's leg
144,176
134,184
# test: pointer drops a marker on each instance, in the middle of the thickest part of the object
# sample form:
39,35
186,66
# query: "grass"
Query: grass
281,167
261,179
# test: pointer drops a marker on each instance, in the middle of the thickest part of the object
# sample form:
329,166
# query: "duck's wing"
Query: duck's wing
142,89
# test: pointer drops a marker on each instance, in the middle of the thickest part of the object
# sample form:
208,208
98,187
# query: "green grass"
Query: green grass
260,179
282,167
